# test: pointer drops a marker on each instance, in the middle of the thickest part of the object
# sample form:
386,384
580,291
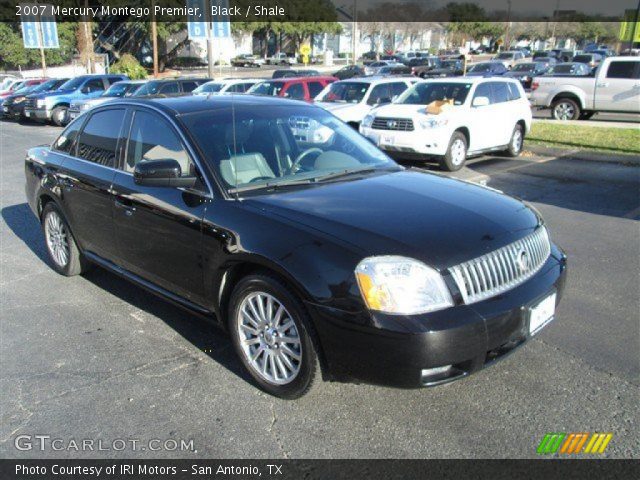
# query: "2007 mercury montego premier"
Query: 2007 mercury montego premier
317,252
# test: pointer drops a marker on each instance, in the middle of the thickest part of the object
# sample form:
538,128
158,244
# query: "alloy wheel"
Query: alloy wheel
564,111
458,152
516,141
269,338
57,239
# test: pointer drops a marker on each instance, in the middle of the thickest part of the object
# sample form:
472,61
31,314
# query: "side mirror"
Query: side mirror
481,101
161,173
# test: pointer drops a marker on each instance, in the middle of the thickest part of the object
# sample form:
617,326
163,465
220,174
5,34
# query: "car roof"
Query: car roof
296,79
372,79
176,106
467,79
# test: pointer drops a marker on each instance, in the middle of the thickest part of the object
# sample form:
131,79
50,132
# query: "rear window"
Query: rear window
267,88
426,92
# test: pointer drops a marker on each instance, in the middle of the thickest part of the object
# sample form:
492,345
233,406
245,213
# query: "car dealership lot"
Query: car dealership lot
97,358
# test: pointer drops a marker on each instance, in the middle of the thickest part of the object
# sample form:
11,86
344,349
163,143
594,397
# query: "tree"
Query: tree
14,55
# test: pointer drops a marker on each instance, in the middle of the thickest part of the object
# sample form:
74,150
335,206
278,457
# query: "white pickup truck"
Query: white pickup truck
614,88
282,59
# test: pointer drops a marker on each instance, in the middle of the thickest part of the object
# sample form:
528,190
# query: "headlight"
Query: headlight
85,106
433,123
367,121
400,285
19,99
41,102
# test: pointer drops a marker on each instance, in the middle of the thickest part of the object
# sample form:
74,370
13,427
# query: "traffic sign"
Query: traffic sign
30,35
220,26
305,49
49,34
40,31
196,24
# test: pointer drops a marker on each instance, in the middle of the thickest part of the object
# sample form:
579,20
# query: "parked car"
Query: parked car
390,70
226,85
247,60
13,105
282,59
10,86
569,69
372,68
446,68
125,88
487,114
510,58
54,106
18,85
349,71
590,59
351,100
424,64
297,88
526,71
544,55
322,257
291,73
487,69
170,87
614,88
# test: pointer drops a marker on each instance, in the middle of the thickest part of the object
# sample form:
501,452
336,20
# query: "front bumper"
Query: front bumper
37,113
14,110
397,350
426,143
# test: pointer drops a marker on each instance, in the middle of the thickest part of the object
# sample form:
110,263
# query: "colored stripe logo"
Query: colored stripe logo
574,443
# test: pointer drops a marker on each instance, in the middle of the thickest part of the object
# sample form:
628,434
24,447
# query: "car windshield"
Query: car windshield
583,58
279,146
504,56
26,89
209,88
451,64
73,83
120,89
150,88
480,67
344,92
266,88
524,67
424,93
46,86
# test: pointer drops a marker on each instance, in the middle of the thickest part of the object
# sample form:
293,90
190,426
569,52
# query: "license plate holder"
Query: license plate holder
541,313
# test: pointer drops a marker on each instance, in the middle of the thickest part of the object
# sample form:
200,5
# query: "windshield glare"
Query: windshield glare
150,88
426,92
524,67
72,84
266,88
347,92
481,67
119,90
265,148
209,88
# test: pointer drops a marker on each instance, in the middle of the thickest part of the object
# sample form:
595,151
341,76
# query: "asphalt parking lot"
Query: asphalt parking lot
95,357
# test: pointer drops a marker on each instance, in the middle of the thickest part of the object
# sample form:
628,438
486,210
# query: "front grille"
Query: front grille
503,269
30,103
398,124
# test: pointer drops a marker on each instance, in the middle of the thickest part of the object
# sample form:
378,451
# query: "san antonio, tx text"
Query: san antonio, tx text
140,12
141,469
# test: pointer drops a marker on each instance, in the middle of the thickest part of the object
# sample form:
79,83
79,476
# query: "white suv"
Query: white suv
226,85
488,114
351,100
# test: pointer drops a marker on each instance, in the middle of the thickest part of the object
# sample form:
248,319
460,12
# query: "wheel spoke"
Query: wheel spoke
257,353
247,328
294,340
283,328
287,351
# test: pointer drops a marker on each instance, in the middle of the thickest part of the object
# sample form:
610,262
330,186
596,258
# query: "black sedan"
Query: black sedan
349,71
13,105
318,253
526,71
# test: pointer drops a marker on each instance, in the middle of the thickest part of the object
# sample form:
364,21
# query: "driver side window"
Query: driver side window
152,138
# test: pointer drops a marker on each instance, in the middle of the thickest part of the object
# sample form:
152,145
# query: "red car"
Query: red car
18,85
296,88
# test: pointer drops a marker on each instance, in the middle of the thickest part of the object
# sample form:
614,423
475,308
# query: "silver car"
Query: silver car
125,88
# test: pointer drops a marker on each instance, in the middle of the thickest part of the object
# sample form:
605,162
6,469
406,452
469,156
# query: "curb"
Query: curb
585,155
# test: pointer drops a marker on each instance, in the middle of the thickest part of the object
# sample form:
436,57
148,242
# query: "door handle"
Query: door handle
124,205
603,84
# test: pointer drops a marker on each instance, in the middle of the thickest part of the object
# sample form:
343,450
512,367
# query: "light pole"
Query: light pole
506,33
354,30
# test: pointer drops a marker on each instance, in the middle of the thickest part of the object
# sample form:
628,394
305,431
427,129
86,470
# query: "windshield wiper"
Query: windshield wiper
348,173
271,186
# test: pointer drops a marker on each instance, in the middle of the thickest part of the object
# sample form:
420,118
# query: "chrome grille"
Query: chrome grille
398,124
30,103
502,269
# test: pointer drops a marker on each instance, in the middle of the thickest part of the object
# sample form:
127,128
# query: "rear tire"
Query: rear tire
516,143
64,255
565,109
59,116
268,349
456,155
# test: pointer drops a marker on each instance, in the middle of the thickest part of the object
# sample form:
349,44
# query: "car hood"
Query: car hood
337,107
435,219
93,101
519,74
53,93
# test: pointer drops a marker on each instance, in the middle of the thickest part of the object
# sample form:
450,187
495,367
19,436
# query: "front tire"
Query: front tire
456,155
64,254
271,333
59,116
565,109
517,141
